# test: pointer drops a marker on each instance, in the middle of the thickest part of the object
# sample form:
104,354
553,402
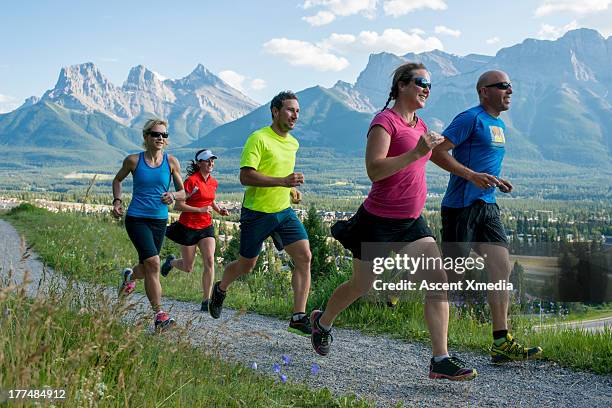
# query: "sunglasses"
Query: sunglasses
209,161
158,134
500,85
422,82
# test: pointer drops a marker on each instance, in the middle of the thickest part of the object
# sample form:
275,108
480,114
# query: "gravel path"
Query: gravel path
383,370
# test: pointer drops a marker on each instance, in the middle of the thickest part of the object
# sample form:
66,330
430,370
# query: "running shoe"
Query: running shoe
167,266
392,301
163,322
127,285
300,327
321,339
511,350
451,368
215,304
204,307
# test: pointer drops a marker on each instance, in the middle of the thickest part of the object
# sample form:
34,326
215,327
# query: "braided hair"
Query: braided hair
403,73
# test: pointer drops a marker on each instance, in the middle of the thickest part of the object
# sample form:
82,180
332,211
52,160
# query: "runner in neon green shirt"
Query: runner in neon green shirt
271,155
266,169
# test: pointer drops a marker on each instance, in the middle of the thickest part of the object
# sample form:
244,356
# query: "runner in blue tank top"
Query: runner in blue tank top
147,216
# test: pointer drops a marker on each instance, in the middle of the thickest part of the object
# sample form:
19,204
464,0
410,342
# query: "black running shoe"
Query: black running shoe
451,368
204,307
167,266
215,304
300,327
321,339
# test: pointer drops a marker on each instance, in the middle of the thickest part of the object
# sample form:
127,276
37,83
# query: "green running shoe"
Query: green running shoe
511,350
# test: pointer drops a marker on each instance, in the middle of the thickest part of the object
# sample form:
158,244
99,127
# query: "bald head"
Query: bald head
490,77
494,91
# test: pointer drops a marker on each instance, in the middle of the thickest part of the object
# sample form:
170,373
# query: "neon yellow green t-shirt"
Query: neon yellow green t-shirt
274,156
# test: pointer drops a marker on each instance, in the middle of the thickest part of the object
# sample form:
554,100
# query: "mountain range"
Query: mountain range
561,107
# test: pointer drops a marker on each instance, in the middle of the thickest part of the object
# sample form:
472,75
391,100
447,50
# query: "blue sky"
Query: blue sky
262,46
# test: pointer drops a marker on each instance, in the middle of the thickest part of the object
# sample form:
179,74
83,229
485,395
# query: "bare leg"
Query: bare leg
360,283
185,263
236,269
207,248
436,303
497,262
299,251
153,289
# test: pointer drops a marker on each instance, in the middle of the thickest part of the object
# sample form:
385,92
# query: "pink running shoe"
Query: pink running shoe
163,322
127,285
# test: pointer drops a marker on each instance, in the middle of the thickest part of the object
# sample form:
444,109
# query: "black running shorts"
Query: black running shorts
464,227
147,235
184,235
366,227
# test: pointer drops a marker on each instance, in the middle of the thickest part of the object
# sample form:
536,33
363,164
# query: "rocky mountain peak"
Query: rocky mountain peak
144,80
200,76
83,79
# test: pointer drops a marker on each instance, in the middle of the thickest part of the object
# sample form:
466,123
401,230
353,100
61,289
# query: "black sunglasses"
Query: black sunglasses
500,85
422,82
158,134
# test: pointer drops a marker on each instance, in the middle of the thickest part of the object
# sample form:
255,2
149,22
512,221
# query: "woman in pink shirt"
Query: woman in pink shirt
398,148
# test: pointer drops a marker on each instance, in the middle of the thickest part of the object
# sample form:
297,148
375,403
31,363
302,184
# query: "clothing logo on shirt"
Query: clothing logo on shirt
497,134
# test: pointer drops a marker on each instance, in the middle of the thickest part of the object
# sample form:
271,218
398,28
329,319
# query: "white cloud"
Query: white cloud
320,19
417,31
397,8
572,6
447,31
302,53
234,79
8,103
366,8
493,40
549,32
391,40
258,84
239,81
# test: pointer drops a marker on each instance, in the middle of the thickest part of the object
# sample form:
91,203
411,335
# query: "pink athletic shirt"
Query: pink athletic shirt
403,194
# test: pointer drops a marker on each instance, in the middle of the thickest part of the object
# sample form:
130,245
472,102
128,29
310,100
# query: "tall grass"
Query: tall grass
71,340
94,249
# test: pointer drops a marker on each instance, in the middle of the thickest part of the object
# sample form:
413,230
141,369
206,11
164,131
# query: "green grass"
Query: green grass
94,249
62,340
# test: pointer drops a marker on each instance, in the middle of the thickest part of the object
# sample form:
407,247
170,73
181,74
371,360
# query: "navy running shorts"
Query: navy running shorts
284,227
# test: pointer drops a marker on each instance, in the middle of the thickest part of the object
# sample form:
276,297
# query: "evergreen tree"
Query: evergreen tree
322,262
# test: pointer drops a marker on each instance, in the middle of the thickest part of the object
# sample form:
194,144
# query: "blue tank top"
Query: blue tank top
149,184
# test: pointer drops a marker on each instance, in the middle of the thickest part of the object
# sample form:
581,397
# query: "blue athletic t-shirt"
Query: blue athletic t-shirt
480,141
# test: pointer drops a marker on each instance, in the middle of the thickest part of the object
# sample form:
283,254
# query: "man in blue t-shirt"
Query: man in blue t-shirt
470,215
